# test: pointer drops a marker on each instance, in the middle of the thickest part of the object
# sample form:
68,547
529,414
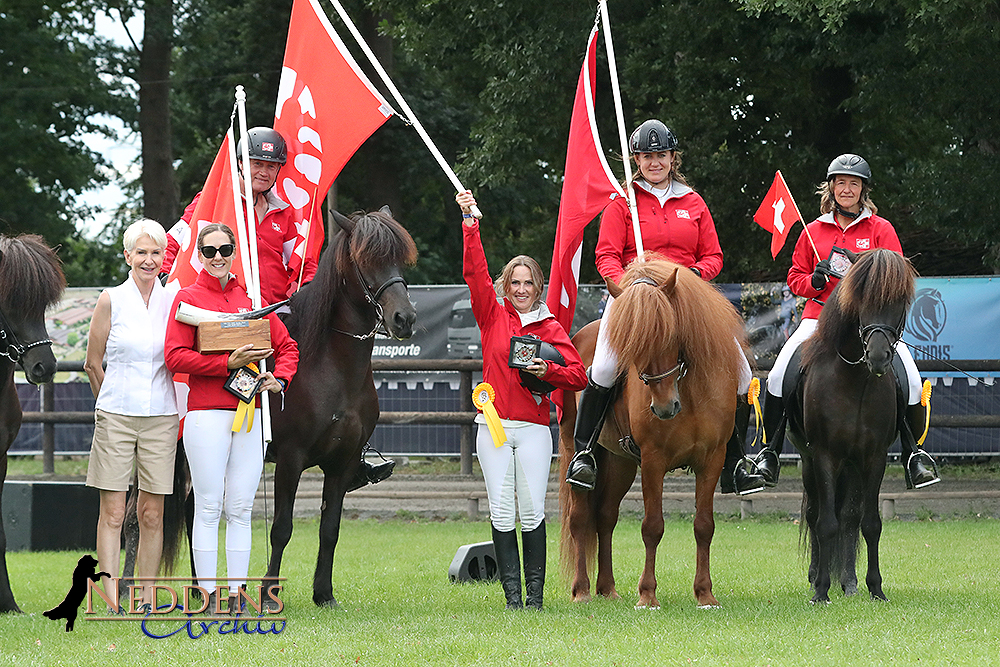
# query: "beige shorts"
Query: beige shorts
122,442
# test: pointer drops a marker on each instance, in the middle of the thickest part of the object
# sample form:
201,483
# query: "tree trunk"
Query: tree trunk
159,190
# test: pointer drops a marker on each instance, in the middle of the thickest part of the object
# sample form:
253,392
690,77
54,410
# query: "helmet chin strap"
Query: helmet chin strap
847,214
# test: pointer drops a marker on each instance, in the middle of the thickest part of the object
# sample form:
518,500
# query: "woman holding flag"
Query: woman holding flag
675,222
223,446
848,220
514,442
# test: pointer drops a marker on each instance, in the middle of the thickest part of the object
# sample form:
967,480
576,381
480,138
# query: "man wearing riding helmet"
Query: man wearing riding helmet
276,231
848,220
676,223
277,236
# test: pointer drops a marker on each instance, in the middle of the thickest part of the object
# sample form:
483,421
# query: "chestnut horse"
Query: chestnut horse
844,415
678,343
31,280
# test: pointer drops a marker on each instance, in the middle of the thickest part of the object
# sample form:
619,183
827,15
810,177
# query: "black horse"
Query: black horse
331,406
31,279
844,414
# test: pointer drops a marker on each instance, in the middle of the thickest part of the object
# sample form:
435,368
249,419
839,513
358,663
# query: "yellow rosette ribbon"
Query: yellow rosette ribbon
244,411
483,397
925,400
753,397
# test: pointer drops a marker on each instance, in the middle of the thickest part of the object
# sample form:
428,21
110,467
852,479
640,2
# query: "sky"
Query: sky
122,151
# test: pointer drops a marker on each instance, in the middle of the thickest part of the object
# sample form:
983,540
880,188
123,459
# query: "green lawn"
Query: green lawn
398,608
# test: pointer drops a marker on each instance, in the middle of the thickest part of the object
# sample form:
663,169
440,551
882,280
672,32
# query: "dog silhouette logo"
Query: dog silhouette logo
67,609
928,315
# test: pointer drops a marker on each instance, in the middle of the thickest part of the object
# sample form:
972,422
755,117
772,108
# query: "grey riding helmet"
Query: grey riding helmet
265,144
652,137
850,164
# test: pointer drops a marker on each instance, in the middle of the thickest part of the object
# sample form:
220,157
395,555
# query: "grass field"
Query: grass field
398,608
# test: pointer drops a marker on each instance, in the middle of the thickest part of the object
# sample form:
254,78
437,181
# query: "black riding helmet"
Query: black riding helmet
652,137
849,164
265,144
535,384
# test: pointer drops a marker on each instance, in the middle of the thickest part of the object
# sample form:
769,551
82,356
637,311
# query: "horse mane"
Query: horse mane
377,240
878,277
645,323
31,276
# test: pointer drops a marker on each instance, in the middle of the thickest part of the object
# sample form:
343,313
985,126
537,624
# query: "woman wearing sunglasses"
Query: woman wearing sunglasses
225,461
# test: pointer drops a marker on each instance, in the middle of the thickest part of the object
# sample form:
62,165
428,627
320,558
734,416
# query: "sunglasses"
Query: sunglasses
225,250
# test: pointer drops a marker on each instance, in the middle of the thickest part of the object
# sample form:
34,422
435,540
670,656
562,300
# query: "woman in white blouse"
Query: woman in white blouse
136,420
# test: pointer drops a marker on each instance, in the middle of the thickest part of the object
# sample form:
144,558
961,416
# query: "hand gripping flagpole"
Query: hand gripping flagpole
253,267
612,65
412,119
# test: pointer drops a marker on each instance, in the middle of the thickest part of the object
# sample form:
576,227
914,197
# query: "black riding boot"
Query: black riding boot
594,400
534,566
735,478
508,566
368,473
914,459
767,462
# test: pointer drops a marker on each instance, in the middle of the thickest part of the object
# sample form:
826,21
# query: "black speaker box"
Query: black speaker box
474,562
50,516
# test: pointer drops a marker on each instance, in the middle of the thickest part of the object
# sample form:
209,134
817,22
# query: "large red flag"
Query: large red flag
777,213
588,186
326,109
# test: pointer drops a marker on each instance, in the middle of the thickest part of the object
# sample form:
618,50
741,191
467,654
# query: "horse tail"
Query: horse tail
568,500
173,511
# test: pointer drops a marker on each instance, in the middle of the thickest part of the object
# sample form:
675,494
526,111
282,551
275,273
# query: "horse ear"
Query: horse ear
853,256
670,284
385,209
344,222
613,289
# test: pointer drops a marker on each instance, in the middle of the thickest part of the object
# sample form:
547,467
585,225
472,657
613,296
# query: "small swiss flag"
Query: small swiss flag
777,213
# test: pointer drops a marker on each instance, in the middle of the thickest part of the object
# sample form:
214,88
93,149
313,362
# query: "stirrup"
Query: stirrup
582,470
921,458
733,487
759,467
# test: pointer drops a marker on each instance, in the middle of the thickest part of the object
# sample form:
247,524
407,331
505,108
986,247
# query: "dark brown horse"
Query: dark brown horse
31,279
331,406
676,341
843,416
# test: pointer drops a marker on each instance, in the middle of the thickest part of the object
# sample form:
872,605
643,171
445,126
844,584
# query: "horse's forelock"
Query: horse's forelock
378,240
31,276
878,277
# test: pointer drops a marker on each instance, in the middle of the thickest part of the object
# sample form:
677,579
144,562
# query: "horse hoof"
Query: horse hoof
850,590
819,601
327,604
879,597
583,597
653,607
710,606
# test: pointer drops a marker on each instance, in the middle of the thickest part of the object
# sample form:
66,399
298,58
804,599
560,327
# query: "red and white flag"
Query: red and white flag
326,109
777,213
588,186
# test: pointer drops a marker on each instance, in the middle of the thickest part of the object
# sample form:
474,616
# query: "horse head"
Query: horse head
31,279
379,247
870,307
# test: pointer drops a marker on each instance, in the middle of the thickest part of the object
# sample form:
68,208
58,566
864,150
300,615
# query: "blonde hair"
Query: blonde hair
144,227
502,283
827,202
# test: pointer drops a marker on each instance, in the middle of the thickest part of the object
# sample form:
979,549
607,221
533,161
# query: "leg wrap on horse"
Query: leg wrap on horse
594,401
919,468
767,461
735,478
508,566
534,566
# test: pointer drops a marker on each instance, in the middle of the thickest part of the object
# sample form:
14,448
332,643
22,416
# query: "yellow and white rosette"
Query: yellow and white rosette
482,397
244,411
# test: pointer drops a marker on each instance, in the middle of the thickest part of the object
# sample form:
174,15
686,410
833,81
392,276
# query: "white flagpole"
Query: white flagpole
253,268
613,66
449,172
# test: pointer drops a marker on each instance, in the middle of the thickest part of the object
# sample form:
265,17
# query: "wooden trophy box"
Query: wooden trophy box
227,335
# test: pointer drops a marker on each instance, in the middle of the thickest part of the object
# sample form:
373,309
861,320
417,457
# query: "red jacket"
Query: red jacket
276,238
866,233
208,371
682,230
497,324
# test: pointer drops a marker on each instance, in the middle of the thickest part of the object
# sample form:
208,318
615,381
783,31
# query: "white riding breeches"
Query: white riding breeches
806,329
225,474
604,368
518,468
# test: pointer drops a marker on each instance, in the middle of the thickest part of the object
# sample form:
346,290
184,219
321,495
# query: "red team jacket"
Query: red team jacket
868,232
682,230
208,371
497,324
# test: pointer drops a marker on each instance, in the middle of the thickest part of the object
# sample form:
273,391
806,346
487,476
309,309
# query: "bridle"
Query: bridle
372,298
10,347
892,335
681,369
